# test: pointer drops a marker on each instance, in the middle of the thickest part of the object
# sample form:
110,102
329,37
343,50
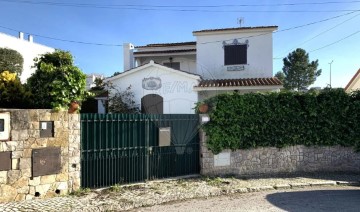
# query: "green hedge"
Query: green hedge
328,118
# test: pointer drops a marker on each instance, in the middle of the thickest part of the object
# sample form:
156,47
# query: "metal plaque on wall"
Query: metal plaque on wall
46,161
5,161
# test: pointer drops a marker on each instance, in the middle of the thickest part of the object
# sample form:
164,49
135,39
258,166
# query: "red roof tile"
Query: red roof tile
236,28
239,82
168,44
165,52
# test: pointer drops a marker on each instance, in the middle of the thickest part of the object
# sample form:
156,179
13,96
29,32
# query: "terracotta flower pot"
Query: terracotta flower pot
203,108
74,106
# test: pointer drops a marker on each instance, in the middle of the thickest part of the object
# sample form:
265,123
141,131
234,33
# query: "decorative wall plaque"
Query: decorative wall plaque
236,68
151,83
5,161
46,161
235,42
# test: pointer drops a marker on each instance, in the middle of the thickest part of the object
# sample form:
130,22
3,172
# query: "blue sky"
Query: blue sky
103,23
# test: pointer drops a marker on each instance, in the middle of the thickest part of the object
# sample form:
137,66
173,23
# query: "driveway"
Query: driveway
334,198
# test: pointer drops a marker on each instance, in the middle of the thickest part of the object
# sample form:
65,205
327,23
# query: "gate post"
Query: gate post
147,142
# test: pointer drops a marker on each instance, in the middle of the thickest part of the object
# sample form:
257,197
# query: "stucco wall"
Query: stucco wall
210,55
18,183
29,50
271,160
187,62
176,89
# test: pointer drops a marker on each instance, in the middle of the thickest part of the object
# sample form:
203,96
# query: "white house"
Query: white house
220,60
27,48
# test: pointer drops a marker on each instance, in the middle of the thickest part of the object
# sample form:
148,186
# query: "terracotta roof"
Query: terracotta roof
236,28
168,44
166,51
240,82
352,79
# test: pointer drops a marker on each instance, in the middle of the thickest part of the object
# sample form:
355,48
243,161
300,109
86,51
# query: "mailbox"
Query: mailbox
4,126
46,129
164,136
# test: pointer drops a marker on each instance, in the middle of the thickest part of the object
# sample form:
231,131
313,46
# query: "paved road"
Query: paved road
309,199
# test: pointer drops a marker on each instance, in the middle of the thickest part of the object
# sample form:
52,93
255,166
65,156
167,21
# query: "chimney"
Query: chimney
30,38
129,62
21,35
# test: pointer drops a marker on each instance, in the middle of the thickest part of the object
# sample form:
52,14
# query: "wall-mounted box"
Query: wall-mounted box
46,129
5,126
46,161
164,136
5,161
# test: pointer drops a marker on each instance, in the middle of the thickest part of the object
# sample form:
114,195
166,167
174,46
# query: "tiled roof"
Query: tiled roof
239,82
168,44
236,28
352,79
165,52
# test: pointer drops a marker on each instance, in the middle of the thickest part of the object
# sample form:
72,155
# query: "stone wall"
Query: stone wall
270,160
18,183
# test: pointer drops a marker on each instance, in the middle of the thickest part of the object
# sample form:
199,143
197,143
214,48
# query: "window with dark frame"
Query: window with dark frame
2,125
174,65
235,54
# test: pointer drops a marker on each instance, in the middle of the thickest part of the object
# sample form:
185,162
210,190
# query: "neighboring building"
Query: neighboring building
27,48
354,83
220,60
90,80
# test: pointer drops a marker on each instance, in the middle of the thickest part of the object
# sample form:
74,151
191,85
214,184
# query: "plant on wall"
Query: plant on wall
122,101
57,81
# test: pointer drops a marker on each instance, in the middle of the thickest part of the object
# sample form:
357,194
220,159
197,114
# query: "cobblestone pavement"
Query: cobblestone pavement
158,192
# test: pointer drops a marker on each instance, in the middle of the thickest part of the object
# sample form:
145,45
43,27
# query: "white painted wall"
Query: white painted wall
28,49
176,90
210,55
187,62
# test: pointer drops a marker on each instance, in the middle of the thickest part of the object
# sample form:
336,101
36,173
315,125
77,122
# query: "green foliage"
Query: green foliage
122,101
57,81
81,192
13,94
11,60
299,71
330,117
281,76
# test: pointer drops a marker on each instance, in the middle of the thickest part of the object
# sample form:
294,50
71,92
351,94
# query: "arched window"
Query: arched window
152,104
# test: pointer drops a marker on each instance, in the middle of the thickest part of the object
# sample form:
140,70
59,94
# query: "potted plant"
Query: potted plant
74,106
202,107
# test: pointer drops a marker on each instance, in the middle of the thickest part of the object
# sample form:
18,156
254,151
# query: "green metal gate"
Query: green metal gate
124,148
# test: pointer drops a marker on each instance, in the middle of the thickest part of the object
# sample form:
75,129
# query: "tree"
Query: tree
12,92
11,60
281,76
57,81
299,72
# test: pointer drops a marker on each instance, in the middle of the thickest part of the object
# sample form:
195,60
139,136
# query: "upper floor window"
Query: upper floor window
174,65
235,54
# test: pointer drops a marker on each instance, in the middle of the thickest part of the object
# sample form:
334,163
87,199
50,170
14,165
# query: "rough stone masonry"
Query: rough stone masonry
272,160
18,183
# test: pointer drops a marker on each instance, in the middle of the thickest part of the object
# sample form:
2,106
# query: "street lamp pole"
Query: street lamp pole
330,71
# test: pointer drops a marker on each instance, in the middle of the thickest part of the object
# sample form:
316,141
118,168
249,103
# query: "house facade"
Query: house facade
219,61
354,83
27,48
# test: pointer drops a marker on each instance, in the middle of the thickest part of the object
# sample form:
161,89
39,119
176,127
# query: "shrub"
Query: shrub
12,93
283,119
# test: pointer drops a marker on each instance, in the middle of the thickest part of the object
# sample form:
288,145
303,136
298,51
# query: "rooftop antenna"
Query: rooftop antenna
241,21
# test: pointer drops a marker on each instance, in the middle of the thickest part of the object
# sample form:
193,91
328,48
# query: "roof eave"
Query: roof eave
231,88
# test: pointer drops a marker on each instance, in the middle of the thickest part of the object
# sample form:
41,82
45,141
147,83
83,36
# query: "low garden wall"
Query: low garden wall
272,160
44,150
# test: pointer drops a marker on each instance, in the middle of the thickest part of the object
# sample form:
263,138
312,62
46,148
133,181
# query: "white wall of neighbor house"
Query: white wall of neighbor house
187,62
176,89
27,48
210,54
